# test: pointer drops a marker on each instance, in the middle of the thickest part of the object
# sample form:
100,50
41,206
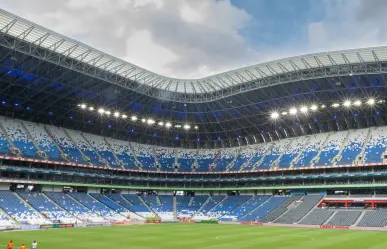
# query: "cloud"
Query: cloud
178,38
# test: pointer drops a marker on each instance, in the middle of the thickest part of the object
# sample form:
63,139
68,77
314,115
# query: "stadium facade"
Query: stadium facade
85,136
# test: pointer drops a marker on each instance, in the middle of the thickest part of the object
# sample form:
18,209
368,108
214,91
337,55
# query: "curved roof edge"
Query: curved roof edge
318,65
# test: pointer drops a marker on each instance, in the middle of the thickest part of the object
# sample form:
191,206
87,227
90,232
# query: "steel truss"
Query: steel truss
31,39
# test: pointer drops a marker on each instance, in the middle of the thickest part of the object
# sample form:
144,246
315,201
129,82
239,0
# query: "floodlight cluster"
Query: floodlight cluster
134,118
315,107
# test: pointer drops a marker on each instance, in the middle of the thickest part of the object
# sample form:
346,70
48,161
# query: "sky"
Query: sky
198,38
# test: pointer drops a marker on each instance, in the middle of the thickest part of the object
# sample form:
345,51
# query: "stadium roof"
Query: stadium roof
119,72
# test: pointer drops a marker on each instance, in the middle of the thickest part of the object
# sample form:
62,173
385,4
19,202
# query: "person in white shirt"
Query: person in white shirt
34,245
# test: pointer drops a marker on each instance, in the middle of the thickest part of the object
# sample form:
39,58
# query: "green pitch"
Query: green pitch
197,236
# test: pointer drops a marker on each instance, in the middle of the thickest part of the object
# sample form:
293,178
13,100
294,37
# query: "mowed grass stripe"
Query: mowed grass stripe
198,236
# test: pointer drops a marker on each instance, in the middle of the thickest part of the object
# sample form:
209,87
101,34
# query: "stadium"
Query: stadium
246,158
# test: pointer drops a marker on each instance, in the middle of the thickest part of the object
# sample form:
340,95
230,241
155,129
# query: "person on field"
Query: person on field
34,245
23,246
10,245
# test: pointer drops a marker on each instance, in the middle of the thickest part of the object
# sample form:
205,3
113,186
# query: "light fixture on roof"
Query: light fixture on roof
83,106
196,127
187,127
274,115
293,111
371,102
357,103
116,114
177,126
143,120
124,116
91,108
168,125
335,105
284,113
347,103
323,106
133,118
101,111
161,123
150,121
313,107
304,109
108,113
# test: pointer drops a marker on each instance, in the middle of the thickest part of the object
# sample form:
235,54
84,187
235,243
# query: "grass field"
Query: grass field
195,236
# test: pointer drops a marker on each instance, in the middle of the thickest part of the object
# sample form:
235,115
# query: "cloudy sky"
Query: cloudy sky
197,38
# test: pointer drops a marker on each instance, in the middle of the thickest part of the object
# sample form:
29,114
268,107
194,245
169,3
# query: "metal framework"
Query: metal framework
31,39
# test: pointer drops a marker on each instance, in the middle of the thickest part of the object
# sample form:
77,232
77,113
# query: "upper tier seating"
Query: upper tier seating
144,154
353,147
4,145
281,209
99,144
85,147
317,217
165,157
186,158
296,213
66,145
19,211
376,145
44,141
264,209
311,149
225,158
123,153
19,136
46,207
73,207
260,151
274,153
205,158
291,151
331,148
344,218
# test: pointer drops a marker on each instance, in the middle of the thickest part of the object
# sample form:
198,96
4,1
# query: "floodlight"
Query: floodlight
323,106
357,103
116,114
150,121
196,127
178,126
108,113
143,120
124,116
314,107
186,127
304,109
83,106
347,103
161,123
101,111
274,115
293,111
335,105
133,118
91,108
168,125
371,102
284,113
